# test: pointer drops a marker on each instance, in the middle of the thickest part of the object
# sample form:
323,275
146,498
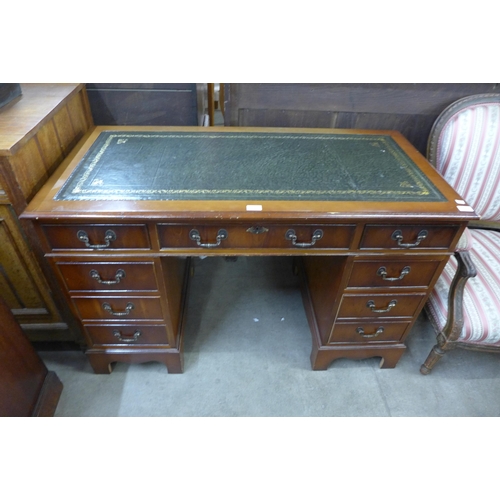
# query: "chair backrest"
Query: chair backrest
464,146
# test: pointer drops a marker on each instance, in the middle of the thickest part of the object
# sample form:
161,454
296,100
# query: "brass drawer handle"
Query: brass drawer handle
109,309
134,338
398,236
291,236
109,236
119,275
370,335
194,235
370,304
383,272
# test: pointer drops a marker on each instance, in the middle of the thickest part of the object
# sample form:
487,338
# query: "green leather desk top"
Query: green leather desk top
127,165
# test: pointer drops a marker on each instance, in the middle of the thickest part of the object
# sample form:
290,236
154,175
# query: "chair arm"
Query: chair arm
492,225
455,322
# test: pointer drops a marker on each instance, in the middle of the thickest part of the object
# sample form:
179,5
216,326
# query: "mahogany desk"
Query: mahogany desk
370,220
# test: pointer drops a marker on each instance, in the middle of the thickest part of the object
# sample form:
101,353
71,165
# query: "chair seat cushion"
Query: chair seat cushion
481,294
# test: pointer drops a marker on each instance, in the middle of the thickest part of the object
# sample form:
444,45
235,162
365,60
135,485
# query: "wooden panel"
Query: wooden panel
64,128
176,280
20,280
349,97
285,118
409,108
143,103
29,168
77,109
323,276
50,147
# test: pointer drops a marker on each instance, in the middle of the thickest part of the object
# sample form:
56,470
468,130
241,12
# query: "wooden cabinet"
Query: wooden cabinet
37,132
27,387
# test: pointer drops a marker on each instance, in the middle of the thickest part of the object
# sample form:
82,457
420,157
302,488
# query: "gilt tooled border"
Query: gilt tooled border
422,191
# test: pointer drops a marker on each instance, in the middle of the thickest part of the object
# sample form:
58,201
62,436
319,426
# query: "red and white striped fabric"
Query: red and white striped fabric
468,156
481,294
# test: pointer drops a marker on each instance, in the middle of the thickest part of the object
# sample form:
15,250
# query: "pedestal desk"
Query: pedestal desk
371,223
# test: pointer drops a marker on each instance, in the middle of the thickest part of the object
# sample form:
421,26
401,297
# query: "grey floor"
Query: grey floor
247,346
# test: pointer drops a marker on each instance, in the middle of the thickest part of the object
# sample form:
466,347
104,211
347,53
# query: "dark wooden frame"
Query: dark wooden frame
410,108
27,387
447,338
173,104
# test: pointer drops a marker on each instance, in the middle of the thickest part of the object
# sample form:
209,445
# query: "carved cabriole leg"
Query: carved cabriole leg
451,331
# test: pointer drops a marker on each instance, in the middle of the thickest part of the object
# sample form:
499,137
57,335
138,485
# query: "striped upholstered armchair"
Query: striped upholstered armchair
464,146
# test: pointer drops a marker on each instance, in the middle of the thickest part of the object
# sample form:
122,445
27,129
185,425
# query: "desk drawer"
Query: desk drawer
119,308
97,236
256,235
393,273
127,334
407,237
105,276
363,332
380,305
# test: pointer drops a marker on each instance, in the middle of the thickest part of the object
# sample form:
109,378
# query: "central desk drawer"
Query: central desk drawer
380,305
105,276
97,236
113,308
290,236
